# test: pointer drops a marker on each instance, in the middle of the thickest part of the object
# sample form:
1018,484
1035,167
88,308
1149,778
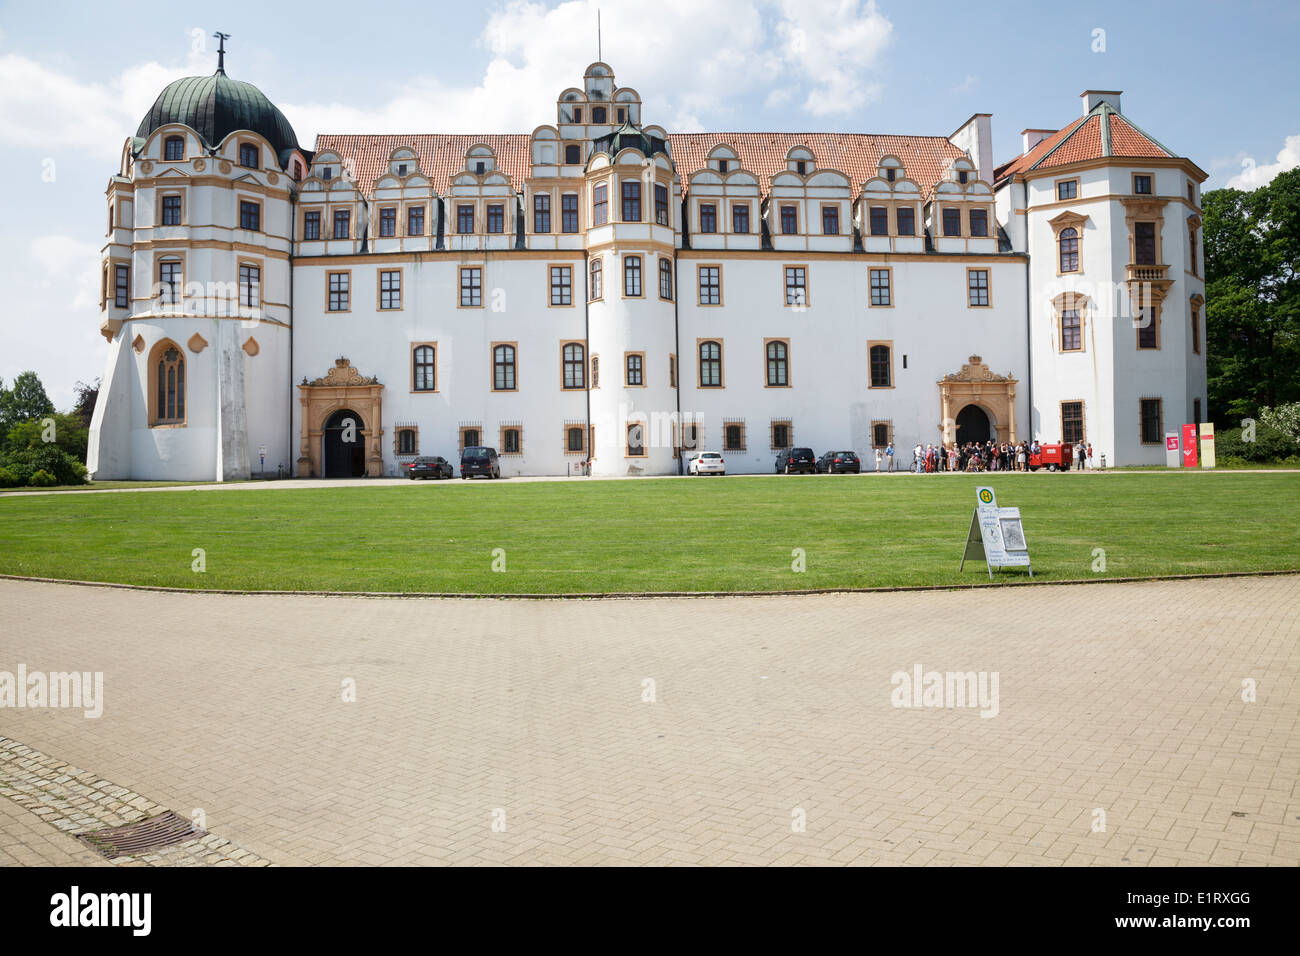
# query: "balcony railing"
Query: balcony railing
1138,273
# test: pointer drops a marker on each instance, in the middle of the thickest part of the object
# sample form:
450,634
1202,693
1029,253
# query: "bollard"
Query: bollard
1103,461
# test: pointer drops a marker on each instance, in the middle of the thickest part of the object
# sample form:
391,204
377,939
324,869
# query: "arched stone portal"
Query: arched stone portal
341,389
344,445
973,425
992,394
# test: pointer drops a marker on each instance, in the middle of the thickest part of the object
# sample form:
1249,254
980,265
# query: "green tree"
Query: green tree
1252,250
65,430
23,401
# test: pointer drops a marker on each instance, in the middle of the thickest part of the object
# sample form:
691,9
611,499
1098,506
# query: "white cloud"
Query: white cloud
1253,175
69,271
967,84
734,51
45,110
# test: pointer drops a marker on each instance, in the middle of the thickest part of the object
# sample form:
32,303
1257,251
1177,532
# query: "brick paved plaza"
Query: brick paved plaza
491,731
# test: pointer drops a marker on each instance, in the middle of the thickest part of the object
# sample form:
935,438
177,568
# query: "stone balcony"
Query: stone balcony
1137,273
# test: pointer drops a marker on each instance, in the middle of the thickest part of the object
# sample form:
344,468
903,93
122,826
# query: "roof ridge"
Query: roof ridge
1139,129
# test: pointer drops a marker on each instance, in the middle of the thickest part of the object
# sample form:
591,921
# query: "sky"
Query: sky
1213,81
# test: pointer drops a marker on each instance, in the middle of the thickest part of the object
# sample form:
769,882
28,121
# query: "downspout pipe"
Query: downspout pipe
677,348
1029,319
586,355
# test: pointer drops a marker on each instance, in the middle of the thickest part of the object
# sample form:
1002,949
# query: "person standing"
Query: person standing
889,453
1090,456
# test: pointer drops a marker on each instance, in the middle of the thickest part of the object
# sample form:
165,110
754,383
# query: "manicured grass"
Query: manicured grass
105,485
651,535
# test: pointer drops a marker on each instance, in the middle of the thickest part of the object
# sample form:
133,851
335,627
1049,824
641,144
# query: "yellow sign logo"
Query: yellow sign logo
986,496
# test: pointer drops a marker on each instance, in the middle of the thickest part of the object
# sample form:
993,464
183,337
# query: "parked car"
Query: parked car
477,460
1052,457
706,463
839,462
430,466
792,460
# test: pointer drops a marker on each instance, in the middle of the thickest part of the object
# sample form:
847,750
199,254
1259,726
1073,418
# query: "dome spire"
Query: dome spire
221,52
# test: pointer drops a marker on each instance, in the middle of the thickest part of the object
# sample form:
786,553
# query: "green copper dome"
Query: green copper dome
215,106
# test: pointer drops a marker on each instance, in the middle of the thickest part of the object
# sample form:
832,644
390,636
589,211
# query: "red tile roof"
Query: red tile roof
1084,139
855,154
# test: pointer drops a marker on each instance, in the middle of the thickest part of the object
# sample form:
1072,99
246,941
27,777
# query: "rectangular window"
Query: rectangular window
541,213
740,217
1144,243
572,151
781,434
830,220
880,287
569,212
710,285
311,224
881,360
1067,189
690,435
171,210
1152,414
631,201
169,278
708,217
390,288
1142,185
339,291
121,287
1071,422
951,221
600,204
250,215
174,149
597,278
880,220
1148,329
248,155
1071,331
573,439
250,285
789,220
342,223
796,285
471,287
665,279
906,218
512,441
415,221
977,281
1196,330
635,440
635,364
561,285
879,434
672,371
388,222
496,218
979,222
632,276
733,436
465,219
661,205
1191,258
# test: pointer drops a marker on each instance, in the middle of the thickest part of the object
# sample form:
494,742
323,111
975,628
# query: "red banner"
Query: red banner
1189,446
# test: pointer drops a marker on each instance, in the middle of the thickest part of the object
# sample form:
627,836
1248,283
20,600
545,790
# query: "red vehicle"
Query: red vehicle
1052,457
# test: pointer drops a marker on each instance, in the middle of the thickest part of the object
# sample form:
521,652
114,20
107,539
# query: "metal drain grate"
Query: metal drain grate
143,836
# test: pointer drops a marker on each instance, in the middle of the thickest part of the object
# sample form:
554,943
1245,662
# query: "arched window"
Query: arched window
595,371
167,385
424,375
174,148
1069,250
778,364
573,366
881,366
503,365
710,365
597,279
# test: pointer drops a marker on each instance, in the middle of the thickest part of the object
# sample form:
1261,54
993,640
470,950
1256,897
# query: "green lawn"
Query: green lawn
651,535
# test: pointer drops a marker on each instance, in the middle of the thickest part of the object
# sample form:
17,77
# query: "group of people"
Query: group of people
988,456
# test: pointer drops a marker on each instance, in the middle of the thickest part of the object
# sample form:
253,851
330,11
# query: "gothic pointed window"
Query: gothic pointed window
167,369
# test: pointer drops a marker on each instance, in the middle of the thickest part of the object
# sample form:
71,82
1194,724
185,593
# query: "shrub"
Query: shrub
50,459
8,479
42,479
1270,444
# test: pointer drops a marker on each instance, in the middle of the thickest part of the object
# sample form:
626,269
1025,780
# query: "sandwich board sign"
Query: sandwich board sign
996,535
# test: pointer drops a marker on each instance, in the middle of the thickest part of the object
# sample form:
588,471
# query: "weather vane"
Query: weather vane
221,51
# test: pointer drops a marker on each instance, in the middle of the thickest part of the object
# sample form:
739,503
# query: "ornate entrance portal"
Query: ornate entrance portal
978,404
341,424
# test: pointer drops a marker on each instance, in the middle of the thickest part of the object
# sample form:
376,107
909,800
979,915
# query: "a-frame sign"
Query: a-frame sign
995,535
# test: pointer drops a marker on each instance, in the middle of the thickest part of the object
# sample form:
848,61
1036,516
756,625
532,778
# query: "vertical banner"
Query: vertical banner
1171,450
1189,446
1207,445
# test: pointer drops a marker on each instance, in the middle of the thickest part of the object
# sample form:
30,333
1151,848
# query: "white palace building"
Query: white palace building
601,289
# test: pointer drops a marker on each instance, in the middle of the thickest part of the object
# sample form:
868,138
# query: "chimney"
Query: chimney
1092,97
975,136
1029,138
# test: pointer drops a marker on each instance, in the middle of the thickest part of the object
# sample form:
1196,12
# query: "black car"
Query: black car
434,466
793,460
840,462
477,460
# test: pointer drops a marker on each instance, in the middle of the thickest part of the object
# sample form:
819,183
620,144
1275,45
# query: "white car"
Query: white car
706,463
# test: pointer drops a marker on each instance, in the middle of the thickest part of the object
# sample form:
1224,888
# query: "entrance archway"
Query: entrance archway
973,425
345,445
